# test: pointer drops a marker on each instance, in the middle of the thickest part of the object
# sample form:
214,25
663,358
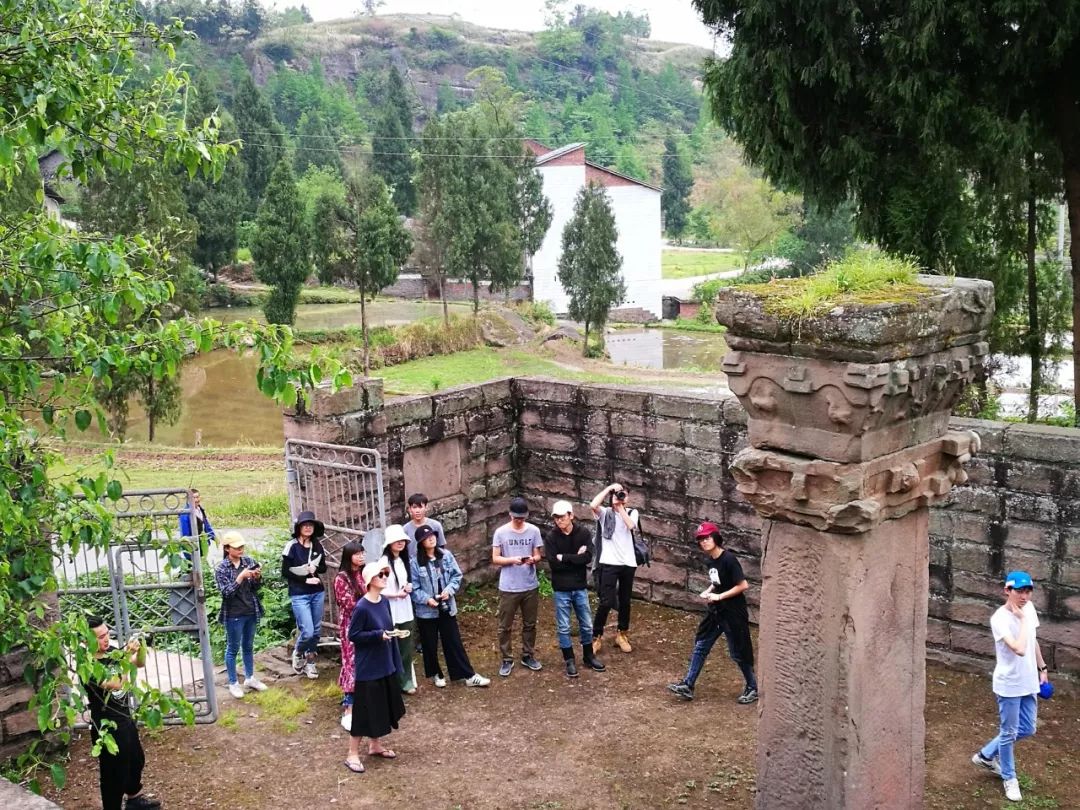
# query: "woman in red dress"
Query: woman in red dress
348,588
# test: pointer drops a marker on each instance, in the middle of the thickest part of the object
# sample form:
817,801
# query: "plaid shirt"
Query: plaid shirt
225,578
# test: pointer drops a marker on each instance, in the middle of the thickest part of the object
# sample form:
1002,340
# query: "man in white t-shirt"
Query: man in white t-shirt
1019,671
616,562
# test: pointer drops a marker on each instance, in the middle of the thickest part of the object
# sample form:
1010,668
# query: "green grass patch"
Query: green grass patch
227,719
479,365
689,325
268,509
864,277
243,255
281,706
328,295
690,263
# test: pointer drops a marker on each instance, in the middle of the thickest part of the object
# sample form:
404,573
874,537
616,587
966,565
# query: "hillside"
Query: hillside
591,80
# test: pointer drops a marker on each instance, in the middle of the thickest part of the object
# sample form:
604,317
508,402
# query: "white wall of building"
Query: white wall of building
637,219
561,186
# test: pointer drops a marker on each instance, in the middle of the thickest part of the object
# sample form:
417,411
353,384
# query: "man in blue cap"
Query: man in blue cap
1019,672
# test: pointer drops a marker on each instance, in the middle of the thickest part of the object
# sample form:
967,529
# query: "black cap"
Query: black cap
423,532
519,507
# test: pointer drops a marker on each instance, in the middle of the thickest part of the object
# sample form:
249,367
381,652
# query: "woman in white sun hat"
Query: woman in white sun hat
398,591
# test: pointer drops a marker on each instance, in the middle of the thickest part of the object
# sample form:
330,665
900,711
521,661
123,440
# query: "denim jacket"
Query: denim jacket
433,578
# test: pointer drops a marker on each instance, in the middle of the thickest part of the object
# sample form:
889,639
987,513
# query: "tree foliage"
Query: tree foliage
72,309
281,244
677,183
923,114
262,138
315,145
362,238
589,264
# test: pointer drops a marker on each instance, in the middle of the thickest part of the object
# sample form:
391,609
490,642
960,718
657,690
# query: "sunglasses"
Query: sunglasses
383,574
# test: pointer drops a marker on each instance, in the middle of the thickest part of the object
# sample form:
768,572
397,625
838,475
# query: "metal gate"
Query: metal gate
136,588
343,486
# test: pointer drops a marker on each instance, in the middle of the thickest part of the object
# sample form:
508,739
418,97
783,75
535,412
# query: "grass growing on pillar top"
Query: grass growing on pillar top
861,278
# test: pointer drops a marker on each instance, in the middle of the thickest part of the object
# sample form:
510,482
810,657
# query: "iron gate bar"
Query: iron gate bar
140,528
343,486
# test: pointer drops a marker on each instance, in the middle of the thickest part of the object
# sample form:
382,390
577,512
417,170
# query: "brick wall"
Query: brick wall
549,439
18,725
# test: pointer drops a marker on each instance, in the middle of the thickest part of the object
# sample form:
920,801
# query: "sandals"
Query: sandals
386,753
355,767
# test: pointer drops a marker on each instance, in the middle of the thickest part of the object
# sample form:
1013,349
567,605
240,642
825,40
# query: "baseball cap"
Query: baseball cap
233,540
423,532
562,508
519,507
705,529
1018,579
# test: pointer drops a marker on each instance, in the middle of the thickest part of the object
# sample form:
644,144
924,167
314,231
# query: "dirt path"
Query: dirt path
536,740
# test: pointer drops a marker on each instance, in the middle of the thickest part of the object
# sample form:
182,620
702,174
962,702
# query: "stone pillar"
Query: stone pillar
848,426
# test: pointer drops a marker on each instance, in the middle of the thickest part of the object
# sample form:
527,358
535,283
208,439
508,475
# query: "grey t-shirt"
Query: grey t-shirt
517,578
410,532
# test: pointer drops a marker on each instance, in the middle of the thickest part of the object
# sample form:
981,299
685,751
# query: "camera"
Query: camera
620,495
444,605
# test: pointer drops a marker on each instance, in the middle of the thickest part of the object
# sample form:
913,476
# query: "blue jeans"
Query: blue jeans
308,610
579,601
711,627
1018,715
240,637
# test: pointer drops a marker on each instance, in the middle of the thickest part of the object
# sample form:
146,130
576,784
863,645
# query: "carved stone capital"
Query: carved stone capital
850,412
852,498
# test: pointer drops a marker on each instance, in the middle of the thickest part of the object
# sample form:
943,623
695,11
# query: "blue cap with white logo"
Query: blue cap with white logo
1018,579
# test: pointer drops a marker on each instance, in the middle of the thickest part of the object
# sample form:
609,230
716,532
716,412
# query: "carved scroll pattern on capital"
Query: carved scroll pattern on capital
852,498
850,398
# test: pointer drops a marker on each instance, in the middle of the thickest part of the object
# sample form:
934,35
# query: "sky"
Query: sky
672,20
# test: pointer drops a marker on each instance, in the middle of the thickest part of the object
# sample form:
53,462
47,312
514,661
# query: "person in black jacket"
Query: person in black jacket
727,616
569,551
302,560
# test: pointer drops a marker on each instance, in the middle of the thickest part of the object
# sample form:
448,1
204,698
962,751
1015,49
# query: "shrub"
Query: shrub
538,313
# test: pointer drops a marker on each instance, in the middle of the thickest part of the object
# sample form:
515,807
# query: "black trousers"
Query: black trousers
616,585
121,773
445,627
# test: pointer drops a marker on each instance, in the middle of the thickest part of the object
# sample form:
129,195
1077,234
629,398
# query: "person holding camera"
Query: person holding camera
569,552
239,578
515,549
436,578
617,563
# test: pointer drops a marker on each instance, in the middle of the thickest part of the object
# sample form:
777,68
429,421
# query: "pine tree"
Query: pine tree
216,206
391,160
589,265
263,141
399,100
315,145
280,245
678,181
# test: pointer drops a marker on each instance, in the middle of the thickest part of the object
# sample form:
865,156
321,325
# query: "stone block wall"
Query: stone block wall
18,725
471,448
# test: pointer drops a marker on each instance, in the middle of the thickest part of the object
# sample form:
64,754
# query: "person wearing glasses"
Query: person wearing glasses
1018,675
377,702
569,550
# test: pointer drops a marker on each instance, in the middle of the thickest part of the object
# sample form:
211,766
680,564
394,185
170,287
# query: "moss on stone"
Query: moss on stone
862,278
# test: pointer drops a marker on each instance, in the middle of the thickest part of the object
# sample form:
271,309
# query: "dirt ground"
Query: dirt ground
538,740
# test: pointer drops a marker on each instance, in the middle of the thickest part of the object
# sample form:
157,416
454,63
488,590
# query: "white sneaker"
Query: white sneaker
992,765
297,661
236,690
346,722
310,671
439,681
478,680
255,684
1012,790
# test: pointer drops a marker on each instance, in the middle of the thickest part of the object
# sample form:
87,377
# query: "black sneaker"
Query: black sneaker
142,802
748,696
531,663
683,690
507,665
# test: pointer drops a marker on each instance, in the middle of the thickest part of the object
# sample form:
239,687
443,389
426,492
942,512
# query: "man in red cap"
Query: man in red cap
727,615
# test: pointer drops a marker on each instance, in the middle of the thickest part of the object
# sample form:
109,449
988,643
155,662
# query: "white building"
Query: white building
636,205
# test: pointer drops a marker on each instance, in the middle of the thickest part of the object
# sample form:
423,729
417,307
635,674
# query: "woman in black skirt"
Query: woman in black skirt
377,702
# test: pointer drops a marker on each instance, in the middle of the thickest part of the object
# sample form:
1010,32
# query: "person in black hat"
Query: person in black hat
515,549
302,560
727,616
